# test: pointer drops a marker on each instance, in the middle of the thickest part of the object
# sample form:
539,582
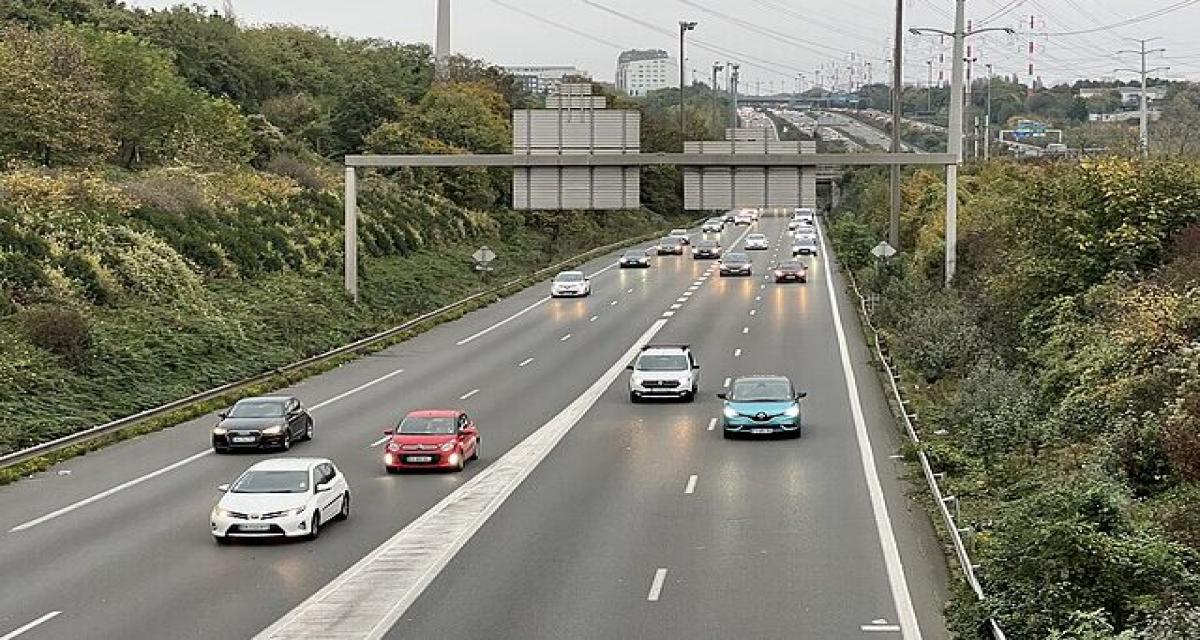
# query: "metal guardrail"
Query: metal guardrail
38,450
942,501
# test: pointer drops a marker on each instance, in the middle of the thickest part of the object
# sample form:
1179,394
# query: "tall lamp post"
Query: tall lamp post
987,123
954,142
684,27
716,68
1144,128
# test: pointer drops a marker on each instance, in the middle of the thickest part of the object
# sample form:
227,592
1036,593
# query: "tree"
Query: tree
1078,111
54,106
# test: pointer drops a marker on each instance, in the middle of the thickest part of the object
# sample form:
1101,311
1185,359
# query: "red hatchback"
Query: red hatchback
431,439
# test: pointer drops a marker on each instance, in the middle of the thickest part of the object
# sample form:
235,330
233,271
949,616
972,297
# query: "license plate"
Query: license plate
255,527
243,439
762,431
420,458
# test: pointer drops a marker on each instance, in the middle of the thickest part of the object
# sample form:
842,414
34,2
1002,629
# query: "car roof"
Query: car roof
792,264
737,256
762,378
757,235
665,349
266,399
563,273
287,464
433,413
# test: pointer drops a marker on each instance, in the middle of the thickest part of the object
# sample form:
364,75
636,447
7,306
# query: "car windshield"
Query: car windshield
569,277
291,481
662,363
737,257
634,254
762,390
806,240
756,236
438,426
670,241
791,266
257,409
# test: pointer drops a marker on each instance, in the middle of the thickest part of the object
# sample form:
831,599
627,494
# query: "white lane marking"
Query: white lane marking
378,442
656,585
883,523
29,625
686,295
880,627
108,492
758,298
668,314
693,288
629,291
613,303
762,286
342,396
681,299
691,485
468,394
712,424
726,383
473,337
369,597
737,353
745,330
525,362
753,311
175,465
593,318
565,338
675,306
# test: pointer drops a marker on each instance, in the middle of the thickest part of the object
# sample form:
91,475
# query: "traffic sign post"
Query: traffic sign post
483,257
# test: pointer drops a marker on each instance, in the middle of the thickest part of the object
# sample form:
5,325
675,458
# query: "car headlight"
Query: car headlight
730,412
393,447
220,431
792,411
449,446
273,431
220,512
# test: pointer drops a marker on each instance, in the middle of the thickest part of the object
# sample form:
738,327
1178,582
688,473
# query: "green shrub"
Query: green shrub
63,331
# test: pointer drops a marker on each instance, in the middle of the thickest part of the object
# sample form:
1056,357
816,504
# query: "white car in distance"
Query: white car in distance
281,498
570,284
756,241
682,234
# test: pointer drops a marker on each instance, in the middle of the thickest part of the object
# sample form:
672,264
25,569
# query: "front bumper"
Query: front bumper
791,277
671,252
644,390
803,251
568,293
399,460
248,441
736,272
706,254
632,264
756,247
291,526
749,426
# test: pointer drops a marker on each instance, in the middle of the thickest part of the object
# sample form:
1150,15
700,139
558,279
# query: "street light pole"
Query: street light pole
954,142
734,89
897,105
987,124
1144,129
684,27
716,68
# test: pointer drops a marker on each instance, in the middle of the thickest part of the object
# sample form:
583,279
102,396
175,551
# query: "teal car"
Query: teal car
762,405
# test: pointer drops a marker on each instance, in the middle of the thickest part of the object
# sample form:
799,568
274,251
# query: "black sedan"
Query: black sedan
706,249
791,272
736,264
269,422
635,258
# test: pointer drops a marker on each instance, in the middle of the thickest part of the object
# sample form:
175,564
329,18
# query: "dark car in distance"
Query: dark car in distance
267,422
736,264
635,258
791,272
706,249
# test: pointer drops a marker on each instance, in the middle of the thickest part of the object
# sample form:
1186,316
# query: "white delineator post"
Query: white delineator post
351,233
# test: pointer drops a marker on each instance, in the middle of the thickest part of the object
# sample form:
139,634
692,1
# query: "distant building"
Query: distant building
544,79
640,71
1130,96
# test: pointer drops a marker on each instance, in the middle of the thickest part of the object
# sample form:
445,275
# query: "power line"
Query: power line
813,19
1157,13
999,13
559,25
808,45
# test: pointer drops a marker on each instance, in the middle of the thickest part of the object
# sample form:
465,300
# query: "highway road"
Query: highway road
587,517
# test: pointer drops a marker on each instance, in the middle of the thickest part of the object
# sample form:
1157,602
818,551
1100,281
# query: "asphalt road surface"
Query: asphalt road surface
587,517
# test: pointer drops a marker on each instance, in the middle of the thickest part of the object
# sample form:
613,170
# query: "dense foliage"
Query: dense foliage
171,212
1058,383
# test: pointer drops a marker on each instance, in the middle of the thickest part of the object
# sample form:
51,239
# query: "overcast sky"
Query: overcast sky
773,39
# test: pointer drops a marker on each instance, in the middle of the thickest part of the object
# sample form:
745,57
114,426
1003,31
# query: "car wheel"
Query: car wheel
314,527
475,454
344,512
391,470
221,449
462,463
287,441
308,431
634,398
223,541
728,434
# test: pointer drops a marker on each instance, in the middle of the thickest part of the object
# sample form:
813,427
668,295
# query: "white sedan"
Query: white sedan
756,241
281,498
570,284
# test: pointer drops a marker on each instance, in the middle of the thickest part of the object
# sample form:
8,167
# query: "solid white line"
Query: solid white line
691,485
26,627
712,424
468,394
656,585
737,353
378,442
883,523
343,396
880,627
726,383
473,337
108,492
175,465
369,597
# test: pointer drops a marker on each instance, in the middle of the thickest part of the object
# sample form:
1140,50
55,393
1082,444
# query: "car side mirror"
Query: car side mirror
695,366
322,487
224,414
389,432
723,396
802,394
630,367
223,488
